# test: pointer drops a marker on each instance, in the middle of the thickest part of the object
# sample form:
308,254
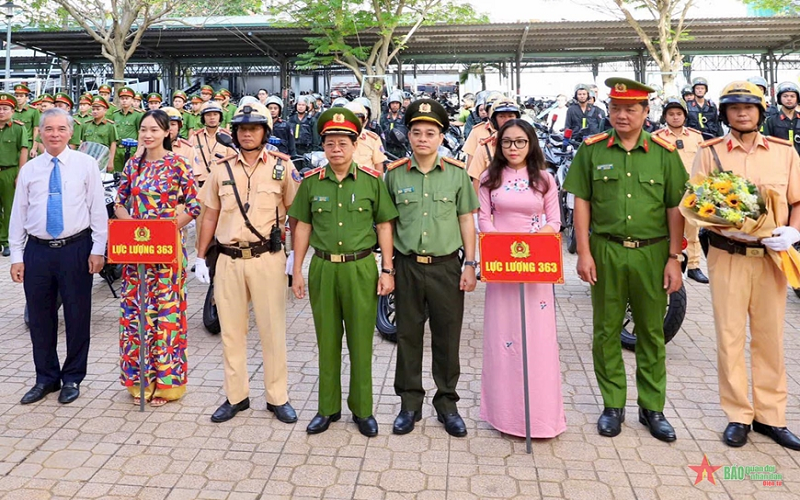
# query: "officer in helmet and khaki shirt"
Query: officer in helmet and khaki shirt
369,150
246,197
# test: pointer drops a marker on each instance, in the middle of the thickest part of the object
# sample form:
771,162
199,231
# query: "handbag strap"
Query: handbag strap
241,207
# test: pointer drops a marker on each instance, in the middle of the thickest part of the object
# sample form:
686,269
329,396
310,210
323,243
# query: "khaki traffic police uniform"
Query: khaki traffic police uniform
427,239
691,140
629,193
369,150
744,287
483,156
478,133
205,151
343,295
261,280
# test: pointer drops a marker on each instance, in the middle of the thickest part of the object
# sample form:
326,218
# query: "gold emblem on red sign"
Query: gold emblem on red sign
520,250
141,235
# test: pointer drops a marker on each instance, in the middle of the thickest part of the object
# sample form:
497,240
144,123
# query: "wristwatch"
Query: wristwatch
390,272
473,263
677,256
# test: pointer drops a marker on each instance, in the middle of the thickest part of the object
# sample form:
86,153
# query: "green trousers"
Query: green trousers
634,275
7,178
422,290
344,300
119,158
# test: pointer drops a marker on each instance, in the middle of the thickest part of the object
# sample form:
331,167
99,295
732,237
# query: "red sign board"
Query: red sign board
521,258
143,241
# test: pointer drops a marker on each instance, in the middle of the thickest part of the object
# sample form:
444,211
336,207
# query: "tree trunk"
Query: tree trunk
119,74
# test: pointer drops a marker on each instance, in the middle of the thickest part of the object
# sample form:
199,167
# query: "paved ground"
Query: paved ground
102,447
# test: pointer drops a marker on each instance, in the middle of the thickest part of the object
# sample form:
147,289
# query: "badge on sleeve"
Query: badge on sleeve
296,176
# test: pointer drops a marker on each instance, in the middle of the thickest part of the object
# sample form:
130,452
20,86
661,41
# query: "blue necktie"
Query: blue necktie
55,212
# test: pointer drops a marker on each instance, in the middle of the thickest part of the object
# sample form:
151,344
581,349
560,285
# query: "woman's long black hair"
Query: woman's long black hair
162,120
534,160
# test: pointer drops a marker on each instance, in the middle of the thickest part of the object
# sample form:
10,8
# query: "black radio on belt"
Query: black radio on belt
275,234
679,144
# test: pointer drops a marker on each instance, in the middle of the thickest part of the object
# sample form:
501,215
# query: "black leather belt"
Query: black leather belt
6,167
735,247
243,250
342,257
430,259
62,242
629,243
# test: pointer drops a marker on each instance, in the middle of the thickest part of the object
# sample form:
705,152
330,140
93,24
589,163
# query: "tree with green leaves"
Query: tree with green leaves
338,26
670,17
118,25
780,7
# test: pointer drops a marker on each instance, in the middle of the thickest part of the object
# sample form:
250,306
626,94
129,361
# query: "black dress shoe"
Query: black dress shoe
697,275
320,423
38,392
658,425
227,411
735,434
69,393
610,422
404,423
453,424
284,412
780,435
367,426
6,251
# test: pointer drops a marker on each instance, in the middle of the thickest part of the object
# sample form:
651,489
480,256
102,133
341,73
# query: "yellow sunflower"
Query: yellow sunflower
707,210
690,201
732,200
722,187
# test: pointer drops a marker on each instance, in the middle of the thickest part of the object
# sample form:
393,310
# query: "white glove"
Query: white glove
201,271
782,239
738,235
290,263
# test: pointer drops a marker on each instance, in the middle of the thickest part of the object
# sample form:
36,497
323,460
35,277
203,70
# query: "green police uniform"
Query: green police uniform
343,294
103,132
629,193
29,116
13,138
127,125
427,239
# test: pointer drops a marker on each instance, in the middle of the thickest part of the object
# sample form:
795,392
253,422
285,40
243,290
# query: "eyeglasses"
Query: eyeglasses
518,143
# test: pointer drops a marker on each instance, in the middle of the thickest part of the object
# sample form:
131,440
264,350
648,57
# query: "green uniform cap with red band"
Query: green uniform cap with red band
219,96
99,100
7,99
104,88
47,98
338,121
126,92
85,99
154,97
627,90
181,94
64,98
207,89
196,99
21,88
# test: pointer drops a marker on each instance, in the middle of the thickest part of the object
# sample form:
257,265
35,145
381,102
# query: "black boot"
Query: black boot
367,426
780,435
227,411
284,412
735,434
320,423
697,275
658,425
404,423
610,422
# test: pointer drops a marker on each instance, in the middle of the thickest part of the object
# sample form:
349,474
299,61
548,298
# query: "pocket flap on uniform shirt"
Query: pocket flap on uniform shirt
651,177
408,197
268,188
225,190
446,196
360,206
605,174
321,205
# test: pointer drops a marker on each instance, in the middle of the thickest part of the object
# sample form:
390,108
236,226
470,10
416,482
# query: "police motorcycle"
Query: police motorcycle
110,272
559,151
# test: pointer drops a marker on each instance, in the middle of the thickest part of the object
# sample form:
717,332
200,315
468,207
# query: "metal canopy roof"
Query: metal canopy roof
241,42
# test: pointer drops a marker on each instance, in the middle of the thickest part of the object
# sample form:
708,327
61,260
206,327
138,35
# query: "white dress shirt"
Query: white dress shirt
81,194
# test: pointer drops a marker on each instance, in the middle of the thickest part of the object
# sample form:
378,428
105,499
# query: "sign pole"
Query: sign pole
142,340
525,369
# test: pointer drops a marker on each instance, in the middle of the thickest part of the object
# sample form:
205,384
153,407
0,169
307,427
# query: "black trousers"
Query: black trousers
423,290
50,272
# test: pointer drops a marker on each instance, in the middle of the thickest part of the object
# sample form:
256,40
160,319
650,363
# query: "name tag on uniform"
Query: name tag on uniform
228,183
606,166
320,198
405,190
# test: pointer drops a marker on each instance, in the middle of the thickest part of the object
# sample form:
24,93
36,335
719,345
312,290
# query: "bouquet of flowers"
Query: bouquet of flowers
735,206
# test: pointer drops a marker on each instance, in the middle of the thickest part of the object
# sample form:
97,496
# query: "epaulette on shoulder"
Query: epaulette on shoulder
223,129
372,134
595,138
778,140
183,142
227,158
397,163
711,142
663,142
690,129
278,154
313,172
19,122
487,140
370,171
454,162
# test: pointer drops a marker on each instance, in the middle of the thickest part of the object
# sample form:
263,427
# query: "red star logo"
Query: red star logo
705,471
